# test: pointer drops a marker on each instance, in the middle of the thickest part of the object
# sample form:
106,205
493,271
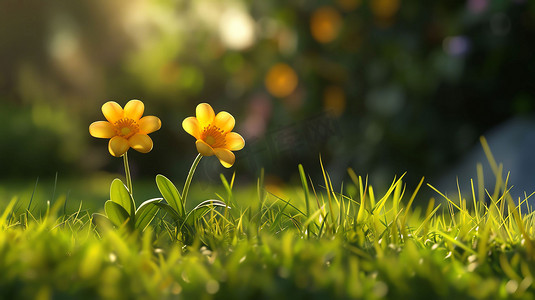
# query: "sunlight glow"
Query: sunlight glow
477,6
281,80
349,5
237,29
334,100
325,24
456,45
385,10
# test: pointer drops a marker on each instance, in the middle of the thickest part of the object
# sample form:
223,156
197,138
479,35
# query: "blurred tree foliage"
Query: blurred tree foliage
384,86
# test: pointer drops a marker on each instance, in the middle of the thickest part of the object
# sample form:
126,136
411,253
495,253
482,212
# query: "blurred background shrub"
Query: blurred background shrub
383,86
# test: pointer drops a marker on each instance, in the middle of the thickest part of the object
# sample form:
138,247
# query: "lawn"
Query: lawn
319,240
120,181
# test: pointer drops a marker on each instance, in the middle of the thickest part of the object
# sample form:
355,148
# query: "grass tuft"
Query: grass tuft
316,241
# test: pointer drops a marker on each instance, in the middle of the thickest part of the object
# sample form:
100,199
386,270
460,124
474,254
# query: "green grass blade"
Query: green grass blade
455,242
304,185
7,211
380,204
445,197
328,191
200,210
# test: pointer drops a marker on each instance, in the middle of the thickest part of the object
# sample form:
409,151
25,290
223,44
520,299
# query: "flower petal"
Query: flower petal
102,129
134,109
224,121
226,158
149,124
112,111
203,148
118,146
205,114
191,126
140,142
234,141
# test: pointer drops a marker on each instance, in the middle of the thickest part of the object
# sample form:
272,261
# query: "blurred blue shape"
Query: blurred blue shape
456,45
512,144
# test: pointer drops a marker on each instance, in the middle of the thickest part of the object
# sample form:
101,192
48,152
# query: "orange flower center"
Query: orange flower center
213,136
126,127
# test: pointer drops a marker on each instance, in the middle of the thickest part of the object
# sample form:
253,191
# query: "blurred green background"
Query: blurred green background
382,86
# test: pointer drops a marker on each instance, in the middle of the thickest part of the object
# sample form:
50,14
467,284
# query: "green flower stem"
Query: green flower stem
189,178
127,173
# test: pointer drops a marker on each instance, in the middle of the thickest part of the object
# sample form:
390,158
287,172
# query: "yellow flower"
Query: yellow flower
125,127
213,134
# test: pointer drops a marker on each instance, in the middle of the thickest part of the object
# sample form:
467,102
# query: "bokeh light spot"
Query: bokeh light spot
169,72
63,45
385,101
334,100
212,286
380,289
237,29
287,40
477,6
511,286
385,10
233,62
349,5
190,78
281,80
456,45
500,24
325,24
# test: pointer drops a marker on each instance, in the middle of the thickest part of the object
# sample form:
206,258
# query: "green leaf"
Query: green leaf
116,213
170,194
305,187
178,220
120,195
146,213
200,210
171,211
101,222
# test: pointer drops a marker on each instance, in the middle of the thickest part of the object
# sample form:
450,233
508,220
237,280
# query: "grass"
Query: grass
320,242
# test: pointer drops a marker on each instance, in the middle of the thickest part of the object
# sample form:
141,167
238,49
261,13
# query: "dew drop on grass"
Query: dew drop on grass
205,251
176,288
471,267
511,286
185,277
525,284
212,286
380,289
284,272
